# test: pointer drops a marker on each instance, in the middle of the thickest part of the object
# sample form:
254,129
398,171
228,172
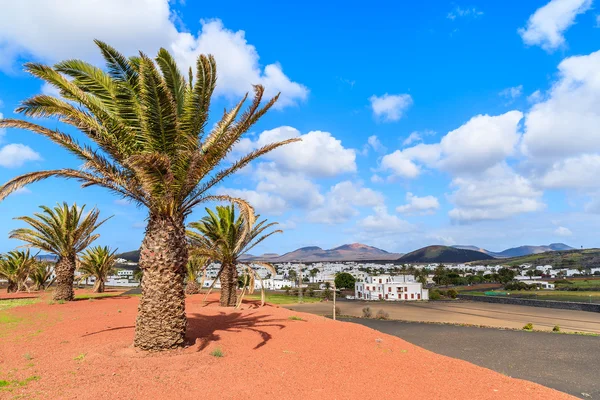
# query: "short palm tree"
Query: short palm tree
40,275
195,268
147,123
223,237
97,262
64,231
15,267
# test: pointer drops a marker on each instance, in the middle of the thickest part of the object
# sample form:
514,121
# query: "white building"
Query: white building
390,288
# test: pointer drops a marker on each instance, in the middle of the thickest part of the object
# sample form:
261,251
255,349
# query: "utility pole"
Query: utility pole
300,298
334,300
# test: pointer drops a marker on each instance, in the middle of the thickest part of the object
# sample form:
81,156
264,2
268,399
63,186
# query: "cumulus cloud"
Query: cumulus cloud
566,123
419,205
381,223
294,188
562,231
547,25
341,202
15,155
318,154
390,107
406,163
573,173
535,97
263,202
66,29
497,194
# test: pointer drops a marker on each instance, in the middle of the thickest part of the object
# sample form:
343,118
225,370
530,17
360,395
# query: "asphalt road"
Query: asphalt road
569,363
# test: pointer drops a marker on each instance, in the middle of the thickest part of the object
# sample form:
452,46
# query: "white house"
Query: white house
390,288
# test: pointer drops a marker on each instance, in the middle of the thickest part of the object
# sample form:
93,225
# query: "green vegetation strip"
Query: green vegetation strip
11,303
283,299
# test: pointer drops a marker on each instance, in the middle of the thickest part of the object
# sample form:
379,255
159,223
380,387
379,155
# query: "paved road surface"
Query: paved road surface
464,312
569,363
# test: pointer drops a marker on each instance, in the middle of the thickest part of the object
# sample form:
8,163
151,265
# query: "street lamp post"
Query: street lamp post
334,300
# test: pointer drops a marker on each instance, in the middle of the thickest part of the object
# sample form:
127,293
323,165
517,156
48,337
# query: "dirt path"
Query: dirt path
82,350
463,312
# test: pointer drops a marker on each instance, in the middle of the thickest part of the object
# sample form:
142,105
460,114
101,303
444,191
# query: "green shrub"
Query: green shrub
452,293
382,315
217,352
528,327
366,312
441,292
434,295
556,328
295,318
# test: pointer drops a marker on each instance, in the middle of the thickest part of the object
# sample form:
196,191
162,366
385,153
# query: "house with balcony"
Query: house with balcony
390,288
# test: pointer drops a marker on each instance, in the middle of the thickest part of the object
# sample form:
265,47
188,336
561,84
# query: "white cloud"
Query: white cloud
459,12
562,231
573,173
497,194
376,178
294,188
419,205
341,202
66,29
263,202
375,144
390,107
412,138
319,154
566,123
535,97
382,224
14,155
547,25
401,163
481,143
22,190
512,93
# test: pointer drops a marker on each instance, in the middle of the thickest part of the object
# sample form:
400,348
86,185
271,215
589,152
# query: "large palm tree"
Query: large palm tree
97,262
64,231
15,267
147,123
224,238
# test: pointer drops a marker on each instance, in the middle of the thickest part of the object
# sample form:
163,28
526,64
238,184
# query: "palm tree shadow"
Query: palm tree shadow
203,328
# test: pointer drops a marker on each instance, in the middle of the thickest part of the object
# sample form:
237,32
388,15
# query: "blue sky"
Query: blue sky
423,123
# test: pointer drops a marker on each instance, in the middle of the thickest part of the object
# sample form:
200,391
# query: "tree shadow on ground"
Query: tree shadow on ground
202,329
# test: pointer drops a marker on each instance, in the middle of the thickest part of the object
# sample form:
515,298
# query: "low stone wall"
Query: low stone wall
564,305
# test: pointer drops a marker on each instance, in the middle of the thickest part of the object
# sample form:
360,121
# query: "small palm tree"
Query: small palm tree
40,275
195,267
224,238
15,268
64,231
147,123
97,262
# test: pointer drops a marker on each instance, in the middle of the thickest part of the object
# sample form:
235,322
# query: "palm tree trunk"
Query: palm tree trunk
65,275
161,322
229,284
98,286
12,287
192,287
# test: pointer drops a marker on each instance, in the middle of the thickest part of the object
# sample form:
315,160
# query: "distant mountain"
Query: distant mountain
133,256
443,254
347,252
46,257
586,258
519,251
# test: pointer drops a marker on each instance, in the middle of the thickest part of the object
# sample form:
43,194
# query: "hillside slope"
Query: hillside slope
443,254
585,258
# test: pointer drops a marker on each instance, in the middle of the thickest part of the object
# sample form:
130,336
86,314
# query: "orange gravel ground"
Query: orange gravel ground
82,350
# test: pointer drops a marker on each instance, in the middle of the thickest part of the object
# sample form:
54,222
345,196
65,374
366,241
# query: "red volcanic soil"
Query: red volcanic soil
82,350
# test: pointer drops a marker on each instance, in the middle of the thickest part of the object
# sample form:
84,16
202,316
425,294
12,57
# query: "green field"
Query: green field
10,303
276,298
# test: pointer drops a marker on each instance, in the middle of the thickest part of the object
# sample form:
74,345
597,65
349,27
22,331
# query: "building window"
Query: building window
412,295
405,296
380,281
386,296
390,289
418,296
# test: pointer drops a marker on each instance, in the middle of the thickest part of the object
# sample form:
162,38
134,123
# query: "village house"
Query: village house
390,288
